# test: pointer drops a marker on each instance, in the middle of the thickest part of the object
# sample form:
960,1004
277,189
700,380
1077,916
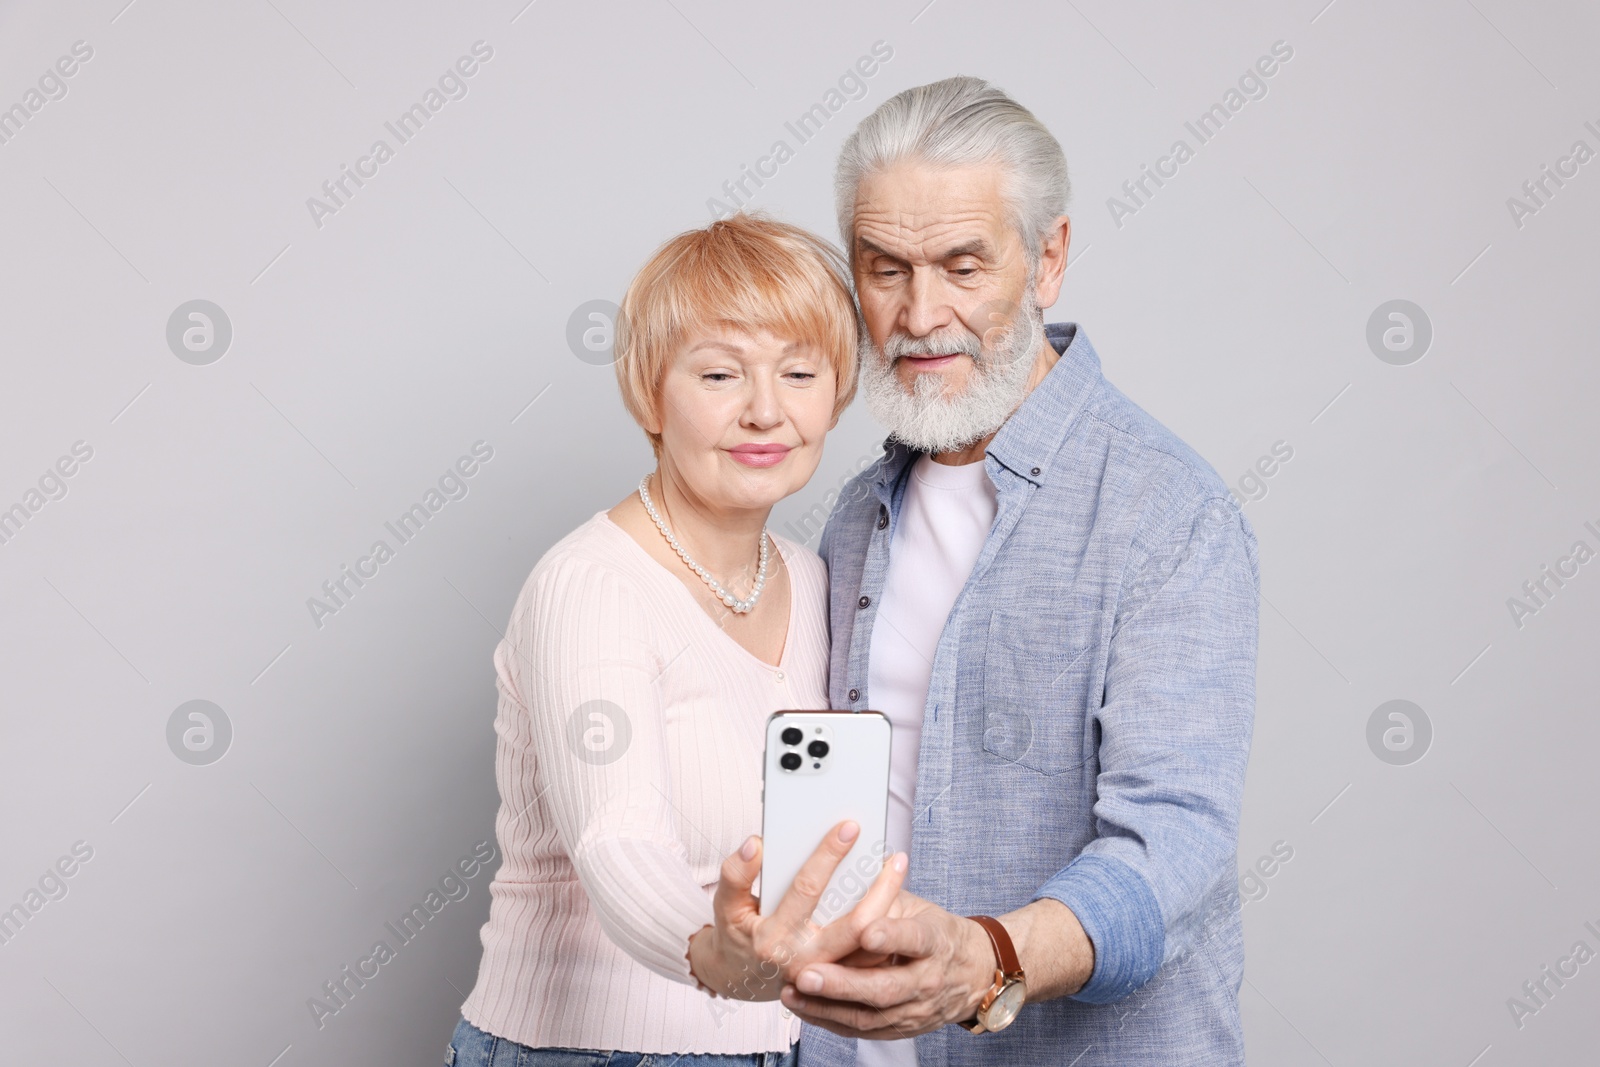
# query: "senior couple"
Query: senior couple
1051,597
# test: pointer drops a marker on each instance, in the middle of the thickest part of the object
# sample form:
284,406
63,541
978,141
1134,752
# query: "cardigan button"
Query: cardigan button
863,602
883,516
855,694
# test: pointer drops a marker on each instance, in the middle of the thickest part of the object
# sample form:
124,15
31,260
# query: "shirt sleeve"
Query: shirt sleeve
580,667
1175,729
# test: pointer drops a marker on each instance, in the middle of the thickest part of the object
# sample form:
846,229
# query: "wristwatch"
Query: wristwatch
1005,998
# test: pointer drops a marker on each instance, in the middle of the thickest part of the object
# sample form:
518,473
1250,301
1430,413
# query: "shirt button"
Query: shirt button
787,1014
883,517
863,602
780,676
1036,472
855,694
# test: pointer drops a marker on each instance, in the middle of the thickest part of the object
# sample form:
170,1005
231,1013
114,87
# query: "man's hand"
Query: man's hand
945,966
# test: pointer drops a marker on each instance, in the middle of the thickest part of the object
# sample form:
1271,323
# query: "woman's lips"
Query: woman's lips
759,455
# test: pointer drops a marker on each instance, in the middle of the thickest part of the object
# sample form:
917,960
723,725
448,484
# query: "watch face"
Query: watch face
1003,1012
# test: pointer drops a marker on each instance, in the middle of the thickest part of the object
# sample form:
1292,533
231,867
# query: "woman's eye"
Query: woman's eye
716,376
804,376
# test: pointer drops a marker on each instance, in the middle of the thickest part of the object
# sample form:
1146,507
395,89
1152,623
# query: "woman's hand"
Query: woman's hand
749,956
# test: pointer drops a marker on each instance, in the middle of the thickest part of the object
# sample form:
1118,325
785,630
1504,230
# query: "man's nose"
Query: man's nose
926,308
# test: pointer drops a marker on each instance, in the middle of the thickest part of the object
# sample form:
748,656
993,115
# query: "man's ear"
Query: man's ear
1053,260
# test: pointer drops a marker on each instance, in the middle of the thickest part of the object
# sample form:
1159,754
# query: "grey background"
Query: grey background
431,312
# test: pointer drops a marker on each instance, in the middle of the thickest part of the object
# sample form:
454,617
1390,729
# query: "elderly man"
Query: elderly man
1054,600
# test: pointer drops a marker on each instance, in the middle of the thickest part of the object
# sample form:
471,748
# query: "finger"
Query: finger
840,1016
842,936
872,987
912,937
828,1024
793,912
733,896
862,958
886,1034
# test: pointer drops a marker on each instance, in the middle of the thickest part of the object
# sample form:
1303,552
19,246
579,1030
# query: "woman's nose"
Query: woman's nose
763,410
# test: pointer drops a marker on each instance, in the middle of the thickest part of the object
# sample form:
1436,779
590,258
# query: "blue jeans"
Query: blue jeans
471,1047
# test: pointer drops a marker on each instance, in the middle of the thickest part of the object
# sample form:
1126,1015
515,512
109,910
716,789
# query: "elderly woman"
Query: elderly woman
643,656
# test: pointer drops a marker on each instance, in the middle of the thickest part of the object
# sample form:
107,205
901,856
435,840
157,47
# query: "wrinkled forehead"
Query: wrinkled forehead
922,213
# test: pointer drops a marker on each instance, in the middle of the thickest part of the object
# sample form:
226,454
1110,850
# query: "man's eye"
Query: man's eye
965,272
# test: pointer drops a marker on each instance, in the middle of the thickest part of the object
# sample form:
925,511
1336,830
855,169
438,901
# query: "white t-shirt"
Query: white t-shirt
944,519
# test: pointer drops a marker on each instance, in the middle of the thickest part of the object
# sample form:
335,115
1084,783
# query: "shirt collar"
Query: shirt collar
1029,440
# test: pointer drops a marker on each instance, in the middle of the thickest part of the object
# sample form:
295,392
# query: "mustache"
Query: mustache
903,344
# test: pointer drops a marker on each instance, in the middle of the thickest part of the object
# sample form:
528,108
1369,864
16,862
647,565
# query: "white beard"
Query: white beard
927,420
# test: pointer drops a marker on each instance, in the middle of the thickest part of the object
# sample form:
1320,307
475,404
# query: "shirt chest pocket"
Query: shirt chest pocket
1037,673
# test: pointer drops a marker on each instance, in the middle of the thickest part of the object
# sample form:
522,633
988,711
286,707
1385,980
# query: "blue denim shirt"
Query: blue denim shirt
1088,720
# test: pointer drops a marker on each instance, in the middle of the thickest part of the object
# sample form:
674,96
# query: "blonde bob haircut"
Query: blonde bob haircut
749,273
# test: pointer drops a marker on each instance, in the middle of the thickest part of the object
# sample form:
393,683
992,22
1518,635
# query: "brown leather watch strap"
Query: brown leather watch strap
1004,952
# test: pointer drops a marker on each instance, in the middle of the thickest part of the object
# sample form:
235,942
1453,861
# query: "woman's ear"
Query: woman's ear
651,419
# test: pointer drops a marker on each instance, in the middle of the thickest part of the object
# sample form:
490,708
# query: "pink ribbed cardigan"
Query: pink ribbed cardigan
630,734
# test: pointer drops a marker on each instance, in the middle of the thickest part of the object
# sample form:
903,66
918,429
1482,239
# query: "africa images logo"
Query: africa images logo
852,85
453,484
452,85
1252,85
453,886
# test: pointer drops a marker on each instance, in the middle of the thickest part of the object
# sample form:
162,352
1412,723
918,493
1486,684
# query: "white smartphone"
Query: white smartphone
823,767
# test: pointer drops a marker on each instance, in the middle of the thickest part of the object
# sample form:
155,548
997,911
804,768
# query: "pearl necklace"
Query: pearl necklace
738,606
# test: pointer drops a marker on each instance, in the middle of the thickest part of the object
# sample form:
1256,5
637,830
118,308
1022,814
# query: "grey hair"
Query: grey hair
960,121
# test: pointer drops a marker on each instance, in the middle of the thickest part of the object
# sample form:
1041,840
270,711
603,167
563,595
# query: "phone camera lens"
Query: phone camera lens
790,761
818,749
792,735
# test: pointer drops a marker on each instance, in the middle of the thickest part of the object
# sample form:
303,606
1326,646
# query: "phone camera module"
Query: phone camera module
817,749
792,735
790,761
